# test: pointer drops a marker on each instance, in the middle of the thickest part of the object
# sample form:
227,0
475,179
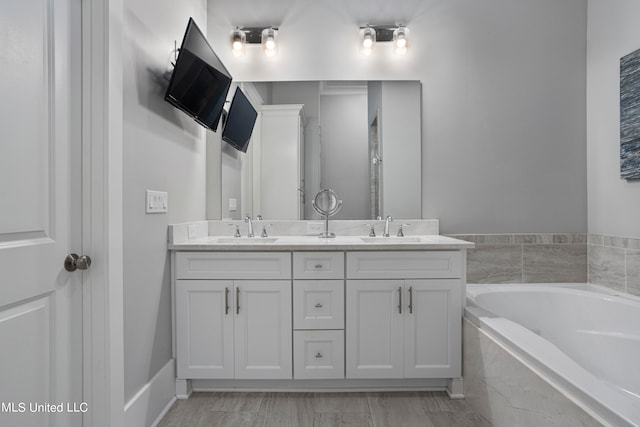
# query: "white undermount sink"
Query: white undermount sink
246,240
393,240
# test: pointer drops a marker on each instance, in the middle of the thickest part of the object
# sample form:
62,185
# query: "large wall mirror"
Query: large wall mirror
361,139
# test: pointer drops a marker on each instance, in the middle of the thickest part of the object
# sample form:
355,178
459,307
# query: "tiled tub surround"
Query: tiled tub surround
583,339
505,391
526,258
614,262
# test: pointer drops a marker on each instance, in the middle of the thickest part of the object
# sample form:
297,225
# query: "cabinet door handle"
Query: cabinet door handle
238,300
400,299
411,299
226,300
318,266
318,355
318,305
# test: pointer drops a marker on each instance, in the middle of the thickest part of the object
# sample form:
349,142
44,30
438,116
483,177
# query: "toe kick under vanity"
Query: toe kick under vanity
303,313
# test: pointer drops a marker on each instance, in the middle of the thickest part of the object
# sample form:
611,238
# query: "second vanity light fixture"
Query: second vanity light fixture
266,36
372,34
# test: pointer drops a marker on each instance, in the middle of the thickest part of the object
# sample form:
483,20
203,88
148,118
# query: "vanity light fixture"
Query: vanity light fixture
372,34
265,36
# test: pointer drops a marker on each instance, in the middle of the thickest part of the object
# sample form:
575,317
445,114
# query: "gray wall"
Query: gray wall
163,150
401,166
230,171
613,202
344,152
614,239
503,90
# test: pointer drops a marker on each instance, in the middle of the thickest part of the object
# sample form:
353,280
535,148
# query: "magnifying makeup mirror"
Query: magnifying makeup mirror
326,203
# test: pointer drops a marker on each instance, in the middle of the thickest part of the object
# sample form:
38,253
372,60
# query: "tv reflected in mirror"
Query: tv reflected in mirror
240,121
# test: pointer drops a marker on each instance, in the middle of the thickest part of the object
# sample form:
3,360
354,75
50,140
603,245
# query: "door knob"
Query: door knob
74,262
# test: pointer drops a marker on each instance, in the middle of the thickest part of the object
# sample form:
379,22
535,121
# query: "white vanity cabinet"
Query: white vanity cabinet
233,315
339,318
404,312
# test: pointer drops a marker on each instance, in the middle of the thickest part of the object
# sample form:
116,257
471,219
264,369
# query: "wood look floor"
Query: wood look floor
389,409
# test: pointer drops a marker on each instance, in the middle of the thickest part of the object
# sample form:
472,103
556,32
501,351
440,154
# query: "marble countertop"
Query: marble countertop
314,243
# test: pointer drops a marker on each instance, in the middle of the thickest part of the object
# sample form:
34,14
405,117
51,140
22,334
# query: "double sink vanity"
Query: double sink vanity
297,312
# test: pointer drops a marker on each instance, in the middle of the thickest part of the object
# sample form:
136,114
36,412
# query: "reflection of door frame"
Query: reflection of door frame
251,183
374,123
102,125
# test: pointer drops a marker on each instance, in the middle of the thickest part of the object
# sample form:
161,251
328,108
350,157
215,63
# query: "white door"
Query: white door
204,322
40,302
374,330
433,319
263,342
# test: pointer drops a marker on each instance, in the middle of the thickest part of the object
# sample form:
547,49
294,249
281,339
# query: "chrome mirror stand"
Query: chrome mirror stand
326,203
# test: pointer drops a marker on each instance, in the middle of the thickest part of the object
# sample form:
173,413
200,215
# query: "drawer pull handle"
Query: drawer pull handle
319,355
238,300
226,300
400,299
318,266
411,299
318,305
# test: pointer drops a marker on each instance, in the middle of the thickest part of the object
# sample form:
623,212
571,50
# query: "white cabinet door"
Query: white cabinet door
432,326
204,323
263,347
374,333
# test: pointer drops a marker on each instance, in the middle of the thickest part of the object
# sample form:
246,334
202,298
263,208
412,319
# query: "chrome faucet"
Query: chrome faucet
386,226
249,226
400,229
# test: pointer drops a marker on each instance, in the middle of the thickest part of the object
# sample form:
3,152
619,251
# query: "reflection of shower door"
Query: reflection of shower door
375,168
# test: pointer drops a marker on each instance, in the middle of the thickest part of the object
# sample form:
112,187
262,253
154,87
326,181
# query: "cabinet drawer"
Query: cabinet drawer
233,265
318,354
318,265
318,304
404,265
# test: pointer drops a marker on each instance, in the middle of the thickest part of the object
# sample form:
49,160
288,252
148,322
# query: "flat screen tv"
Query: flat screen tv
199,82
240,120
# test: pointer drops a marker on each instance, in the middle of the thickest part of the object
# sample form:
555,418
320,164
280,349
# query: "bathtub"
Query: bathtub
583,339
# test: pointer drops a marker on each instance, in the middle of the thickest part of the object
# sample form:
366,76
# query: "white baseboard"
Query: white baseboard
153,400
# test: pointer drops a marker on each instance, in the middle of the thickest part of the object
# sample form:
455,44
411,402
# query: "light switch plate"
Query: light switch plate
156,201
192,230
233,205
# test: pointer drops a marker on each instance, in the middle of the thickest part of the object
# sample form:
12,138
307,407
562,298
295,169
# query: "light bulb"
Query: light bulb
270,44
238,40
269,41
400,40
367,40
